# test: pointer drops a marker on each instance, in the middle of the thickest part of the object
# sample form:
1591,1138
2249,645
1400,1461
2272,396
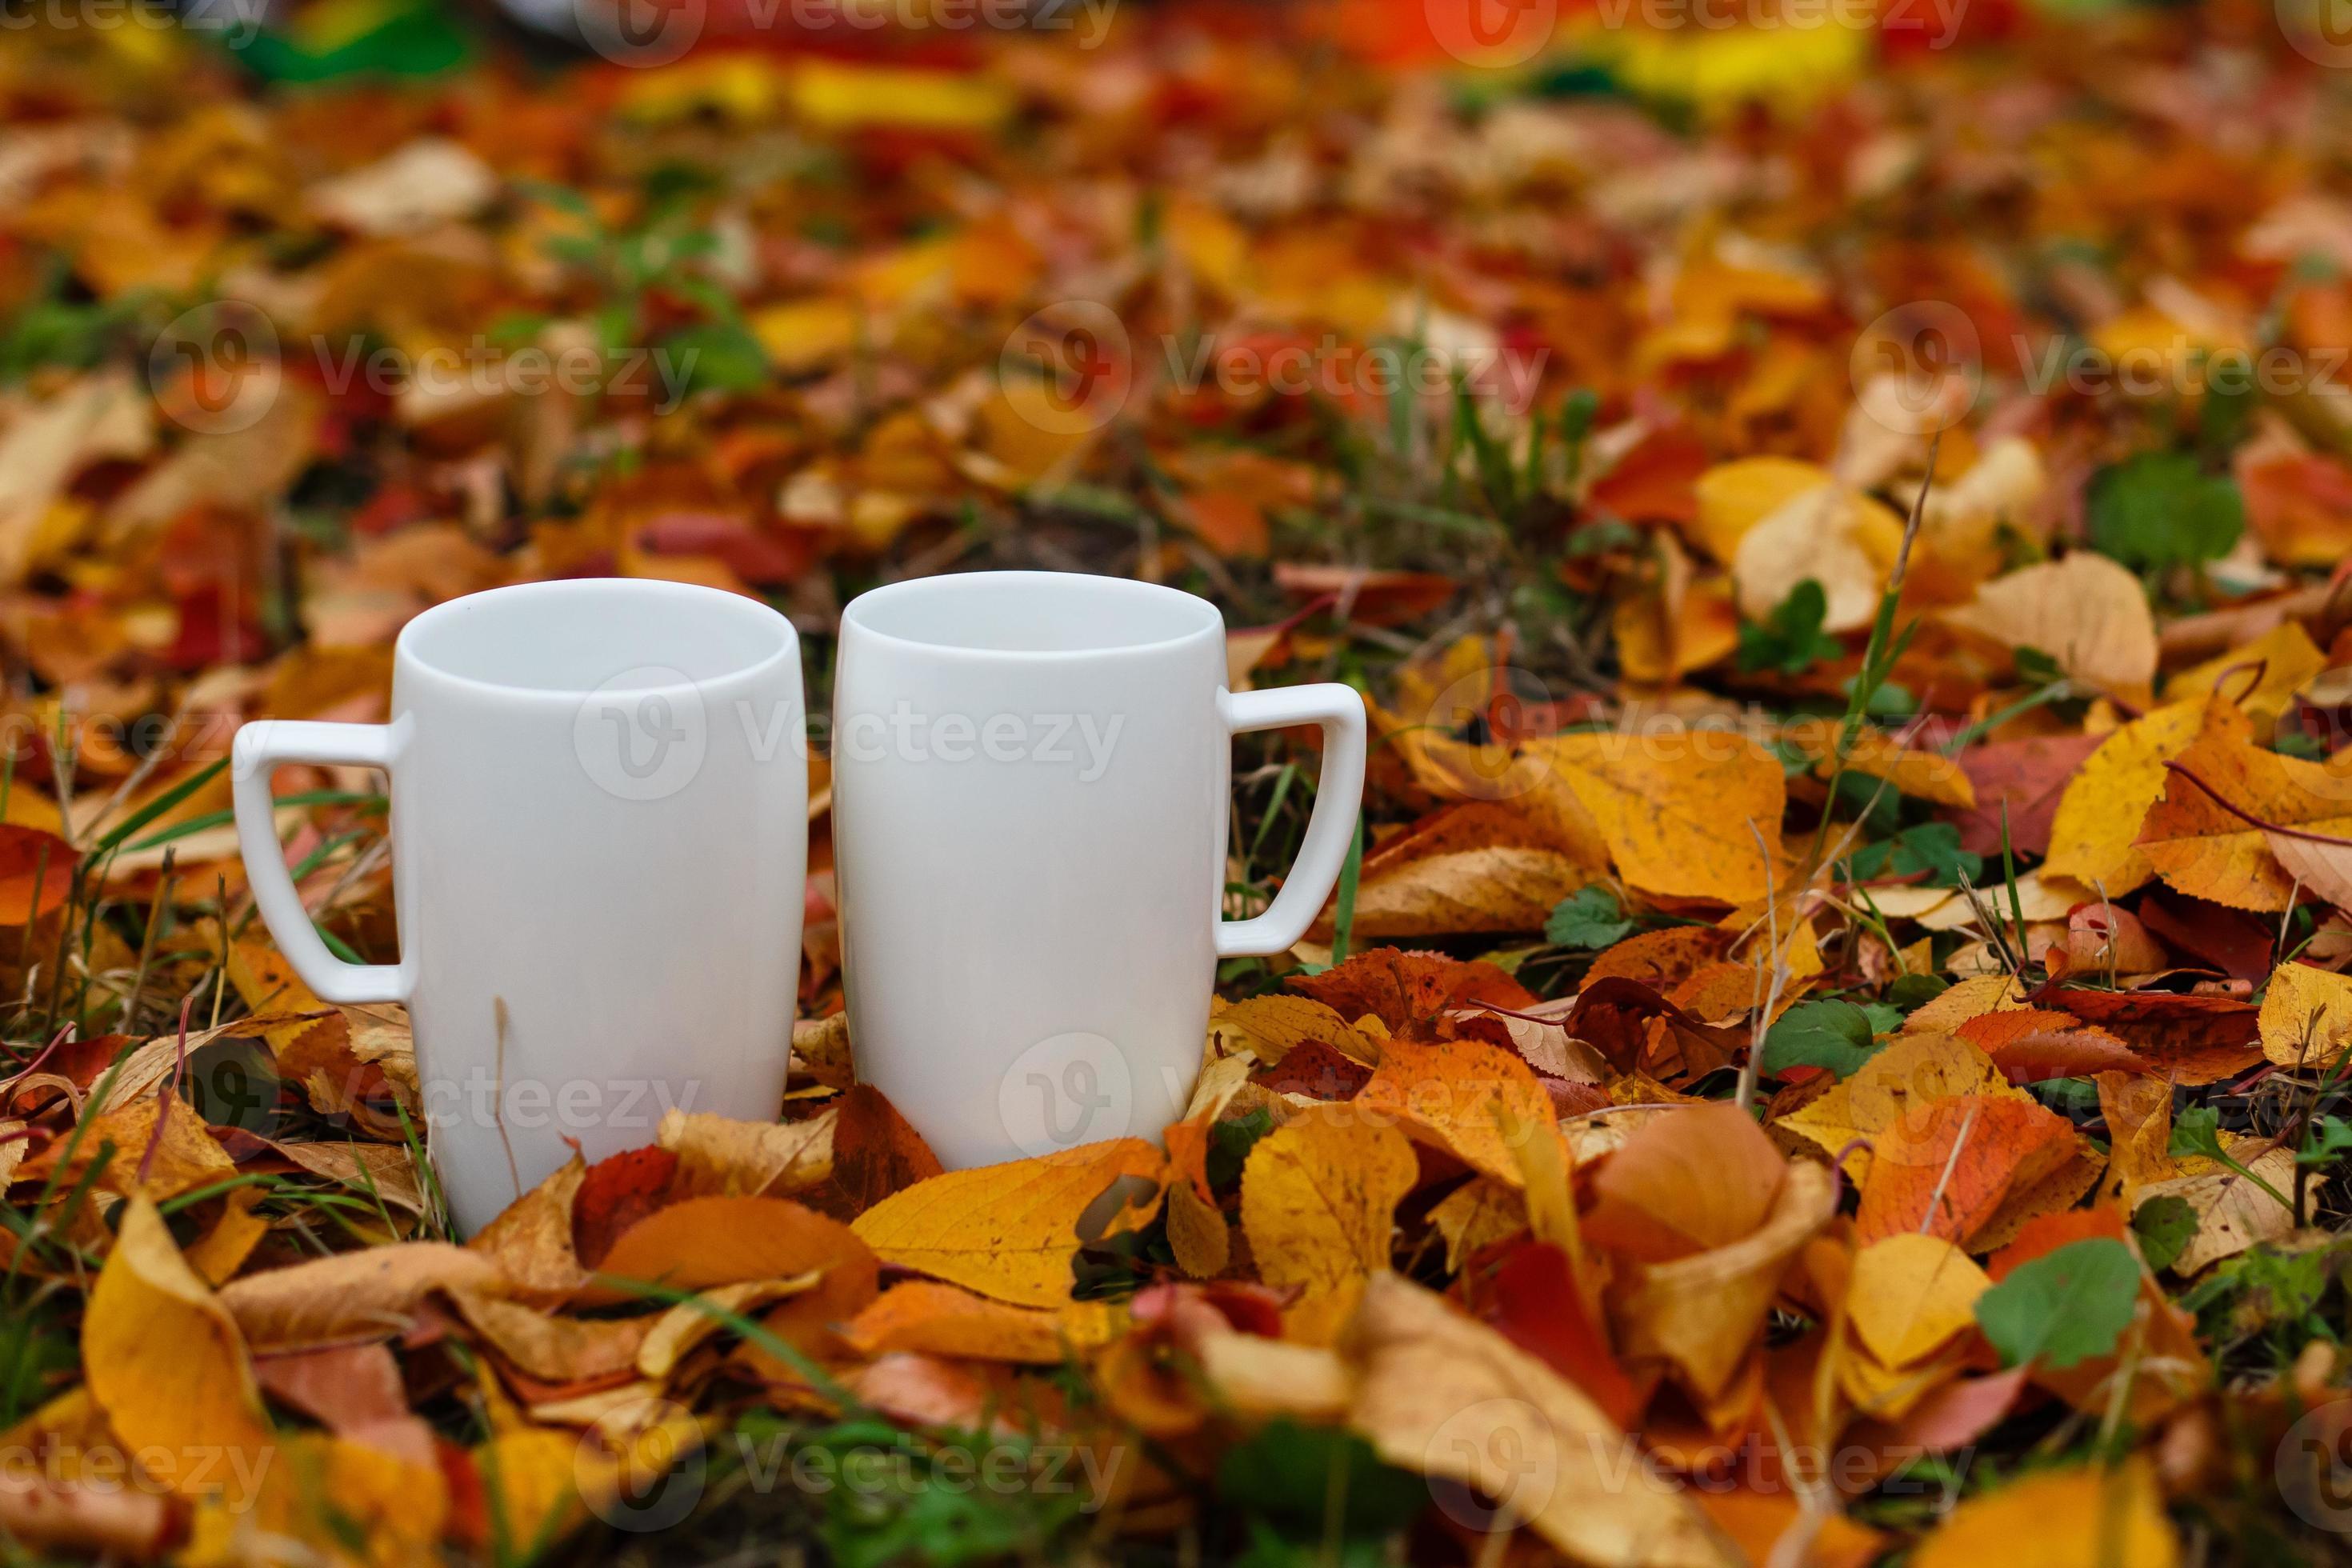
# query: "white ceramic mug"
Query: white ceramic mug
1030,774
599,829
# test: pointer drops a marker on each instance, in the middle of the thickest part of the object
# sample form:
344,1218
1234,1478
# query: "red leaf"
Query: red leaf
613,1195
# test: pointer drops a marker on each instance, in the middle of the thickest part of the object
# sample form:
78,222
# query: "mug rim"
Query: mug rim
856,614
753,612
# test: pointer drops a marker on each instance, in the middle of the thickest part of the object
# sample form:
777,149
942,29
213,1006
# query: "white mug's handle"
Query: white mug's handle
259,747
1330,831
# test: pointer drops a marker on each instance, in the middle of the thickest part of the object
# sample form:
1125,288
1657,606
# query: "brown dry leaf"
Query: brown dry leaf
1011,1231
720,1157
558,1349
1410,993
2232,1213
2094,834
2306,1015
1477,867
1444,1395
1318,1203
1694,814
1703,1315
2087,612
373,1293
165,1362
1456,1094
155,1146
876,1153
1197,1232
667,1339
530,1241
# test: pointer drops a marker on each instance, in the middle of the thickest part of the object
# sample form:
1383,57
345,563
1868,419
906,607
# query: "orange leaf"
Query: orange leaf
35,873
1460,1095
1944,1168
702,1242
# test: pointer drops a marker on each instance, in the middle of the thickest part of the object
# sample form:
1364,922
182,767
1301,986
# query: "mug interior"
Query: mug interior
600,634
1033,613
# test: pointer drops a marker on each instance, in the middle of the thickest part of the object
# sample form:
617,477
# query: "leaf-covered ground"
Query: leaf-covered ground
1831,1045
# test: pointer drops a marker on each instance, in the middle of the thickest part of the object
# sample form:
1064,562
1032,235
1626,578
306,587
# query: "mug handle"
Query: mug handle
1330,831
259,747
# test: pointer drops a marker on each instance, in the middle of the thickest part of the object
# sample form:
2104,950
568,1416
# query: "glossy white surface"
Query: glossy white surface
1030,804
599,826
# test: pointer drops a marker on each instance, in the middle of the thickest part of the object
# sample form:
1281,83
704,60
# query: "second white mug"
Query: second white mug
1031,794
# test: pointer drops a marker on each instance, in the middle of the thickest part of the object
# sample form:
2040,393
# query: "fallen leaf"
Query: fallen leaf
1910,1294
1457,1095
1703,1313
2087,612
2094,833
167,1365
1447,1396
2307,1017
1010,1231
1319,1196
2059,1519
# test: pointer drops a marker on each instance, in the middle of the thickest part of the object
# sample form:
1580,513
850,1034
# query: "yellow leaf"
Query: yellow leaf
833,97
1010,1231
2085,612
165,1362
2210,833
1320,1196
803,335
2059,1519
1439,1394
1705,1313
1832,535
2260,677
720,1157
1910,1294
2307,1017
2099,817
1682,813
1735,497
1909,1075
